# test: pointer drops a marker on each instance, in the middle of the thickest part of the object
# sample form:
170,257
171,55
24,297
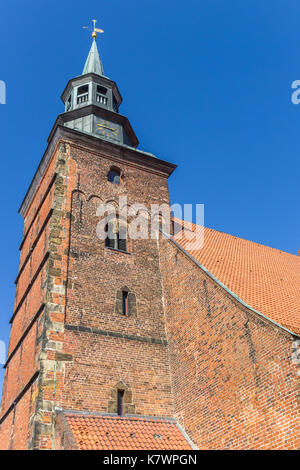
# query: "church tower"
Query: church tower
87,328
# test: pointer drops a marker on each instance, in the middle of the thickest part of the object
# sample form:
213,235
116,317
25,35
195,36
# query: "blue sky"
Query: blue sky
206,85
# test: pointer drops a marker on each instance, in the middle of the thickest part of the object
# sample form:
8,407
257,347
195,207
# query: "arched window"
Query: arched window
120,401
125,302
101,95
114,176
125,309
82,94
116,235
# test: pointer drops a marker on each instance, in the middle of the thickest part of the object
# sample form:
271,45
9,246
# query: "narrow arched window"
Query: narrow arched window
126,302
114,176
120,403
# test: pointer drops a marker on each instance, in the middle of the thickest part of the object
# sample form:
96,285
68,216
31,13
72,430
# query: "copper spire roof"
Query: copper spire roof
93,62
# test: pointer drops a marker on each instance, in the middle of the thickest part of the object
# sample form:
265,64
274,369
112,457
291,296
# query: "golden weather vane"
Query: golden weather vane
95,30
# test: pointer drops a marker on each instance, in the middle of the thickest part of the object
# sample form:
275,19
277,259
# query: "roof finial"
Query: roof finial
93,63
96,30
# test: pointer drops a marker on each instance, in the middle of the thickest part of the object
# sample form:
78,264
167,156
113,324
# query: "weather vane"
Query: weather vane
95,30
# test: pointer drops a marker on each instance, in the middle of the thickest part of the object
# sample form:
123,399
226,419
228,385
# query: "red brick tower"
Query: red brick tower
113,338
87,329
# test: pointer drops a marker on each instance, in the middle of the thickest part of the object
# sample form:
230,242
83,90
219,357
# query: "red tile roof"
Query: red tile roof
265,278
97,432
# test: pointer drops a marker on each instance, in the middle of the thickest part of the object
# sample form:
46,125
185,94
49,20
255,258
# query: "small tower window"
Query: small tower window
83,94
101,90
116,236
114,176
120,404
125,302
120,401
101,95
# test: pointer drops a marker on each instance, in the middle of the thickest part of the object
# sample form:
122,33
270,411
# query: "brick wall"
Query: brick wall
234,376
233,379
100,362
68,347
100,358
20,387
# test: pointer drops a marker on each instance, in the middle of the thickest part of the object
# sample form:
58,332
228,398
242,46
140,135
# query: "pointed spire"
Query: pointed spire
93,62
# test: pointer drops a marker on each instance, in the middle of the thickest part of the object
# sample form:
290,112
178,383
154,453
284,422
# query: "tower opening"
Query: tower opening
101,95
82,94
125,302
114,176
120,404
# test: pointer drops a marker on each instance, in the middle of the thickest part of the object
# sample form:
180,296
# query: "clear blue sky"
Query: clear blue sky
206,85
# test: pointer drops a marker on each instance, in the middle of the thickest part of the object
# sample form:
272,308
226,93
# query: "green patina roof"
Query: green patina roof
93,62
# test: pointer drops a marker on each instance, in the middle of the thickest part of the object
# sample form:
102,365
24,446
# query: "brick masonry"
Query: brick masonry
69,346
234,375
188,350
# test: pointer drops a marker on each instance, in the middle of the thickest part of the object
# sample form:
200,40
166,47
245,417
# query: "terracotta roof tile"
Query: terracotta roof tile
115,432
267,279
